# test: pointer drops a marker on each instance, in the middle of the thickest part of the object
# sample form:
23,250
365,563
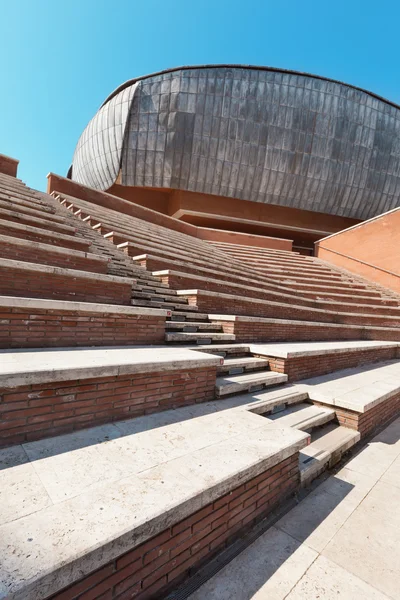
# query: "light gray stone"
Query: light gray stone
368,543
266,570
327,581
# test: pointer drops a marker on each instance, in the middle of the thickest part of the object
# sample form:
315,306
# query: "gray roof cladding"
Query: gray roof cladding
265,135
249,67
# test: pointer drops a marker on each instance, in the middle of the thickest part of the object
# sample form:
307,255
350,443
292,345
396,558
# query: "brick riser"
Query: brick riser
156,566
40,328
20,282
304,367
367,422
46,257
38,411
258,331
179,283
243,307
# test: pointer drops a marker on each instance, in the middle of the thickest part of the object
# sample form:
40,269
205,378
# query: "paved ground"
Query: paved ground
341,542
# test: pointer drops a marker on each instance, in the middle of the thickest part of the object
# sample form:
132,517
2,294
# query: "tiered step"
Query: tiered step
327,447
303,416
198,338
214,272
252,382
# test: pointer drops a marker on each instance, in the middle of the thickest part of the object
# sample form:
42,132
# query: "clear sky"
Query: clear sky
61,58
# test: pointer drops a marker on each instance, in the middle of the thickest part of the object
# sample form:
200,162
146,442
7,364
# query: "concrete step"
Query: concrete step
192,326
302,416
156,304
235,366
229,349
179,315
160,297
248,382
199,338
327,446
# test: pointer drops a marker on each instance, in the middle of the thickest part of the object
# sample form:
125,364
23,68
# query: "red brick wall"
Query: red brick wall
160,564
366,422
29,233
245,307
25,219
257,331
301,307
302,367
8,165
36,284
37,411
244,239
42,328
45,256
371,250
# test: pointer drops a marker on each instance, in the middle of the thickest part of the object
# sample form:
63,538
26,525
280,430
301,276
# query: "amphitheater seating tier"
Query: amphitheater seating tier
160,394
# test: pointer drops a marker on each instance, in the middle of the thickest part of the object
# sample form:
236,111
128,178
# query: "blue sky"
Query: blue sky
60,58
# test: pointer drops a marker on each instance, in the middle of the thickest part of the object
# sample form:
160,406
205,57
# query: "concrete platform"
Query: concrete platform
293,349
342,541
70,504
26,367
358,389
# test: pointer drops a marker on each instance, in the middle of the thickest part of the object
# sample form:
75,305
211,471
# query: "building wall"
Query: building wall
370,249
97,156
264,135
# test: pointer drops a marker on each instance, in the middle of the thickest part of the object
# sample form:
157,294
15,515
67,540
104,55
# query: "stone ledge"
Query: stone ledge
292,350
28,367
8,165
44,233
65,305
52,249
114,517
358,389
25,266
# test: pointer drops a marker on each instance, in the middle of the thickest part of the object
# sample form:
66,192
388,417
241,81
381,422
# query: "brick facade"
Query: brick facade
153,568
40,235
231,305
47,255
290,331
370,249
376,416
37,411
303,367
49,283
42,328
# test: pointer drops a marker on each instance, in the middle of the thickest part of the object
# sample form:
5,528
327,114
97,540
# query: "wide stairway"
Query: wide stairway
160,395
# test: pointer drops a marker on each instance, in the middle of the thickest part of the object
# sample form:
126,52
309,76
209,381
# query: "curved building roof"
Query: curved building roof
253,133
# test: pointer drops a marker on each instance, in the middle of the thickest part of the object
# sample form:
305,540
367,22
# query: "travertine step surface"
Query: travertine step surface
302,416
202,338
81,500
193,325
326,448
241,364
179,315
232,384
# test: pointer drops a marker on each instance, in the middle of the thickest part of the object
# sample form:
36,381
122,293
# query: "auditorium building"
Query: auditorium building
248,149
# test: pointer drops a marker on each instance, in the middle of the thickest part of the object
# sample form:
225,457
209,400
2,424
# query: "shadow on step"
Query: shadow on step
36,450
266,559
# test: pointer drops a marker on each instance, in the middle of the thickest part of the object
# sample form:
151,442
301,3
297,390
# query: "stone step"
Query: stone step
156,304
161,297
327,446
199,338
179,315
302,416
247,382
192,326
229,349
235,365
